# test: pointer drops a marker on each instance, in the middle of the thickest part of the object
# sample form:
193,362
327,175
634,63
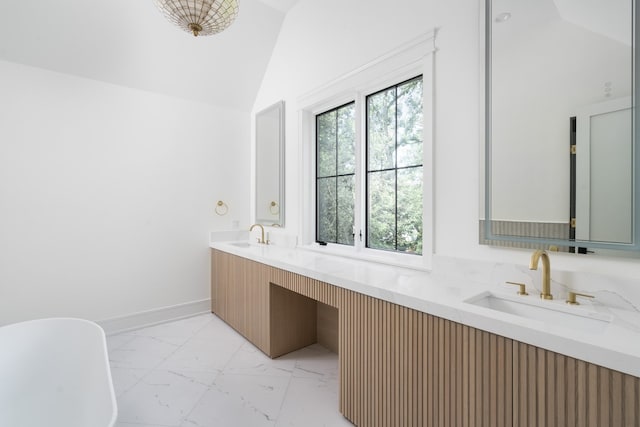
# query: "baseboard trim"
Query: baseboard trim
142,319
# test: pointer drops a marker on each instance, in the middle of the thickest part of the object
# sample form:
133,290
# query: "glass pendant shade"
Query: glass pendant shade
200,17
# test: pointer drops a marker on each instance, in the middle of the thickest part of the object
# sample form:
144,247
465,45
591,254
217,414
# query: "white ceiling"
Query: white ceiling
611,18
281,5
130,43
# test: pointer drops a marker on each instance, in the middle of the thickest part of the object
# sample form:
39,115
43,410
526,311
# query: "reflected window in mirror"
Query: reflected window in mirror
561,150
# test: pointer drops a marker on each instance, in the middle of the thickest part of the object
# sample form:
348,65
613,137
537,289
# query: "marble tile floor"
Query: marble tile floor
199,372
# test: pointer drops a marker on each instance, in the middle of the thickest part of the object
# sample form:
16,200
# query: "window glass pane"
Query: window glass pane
335,133
410,123
381,130
394,168
394,127
346,204
410,210
381,210
326,209
346,140
326,143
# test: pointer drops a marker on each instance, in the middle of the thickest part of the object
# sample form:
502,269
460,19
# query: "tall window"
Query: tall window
394,168
335,175
390,202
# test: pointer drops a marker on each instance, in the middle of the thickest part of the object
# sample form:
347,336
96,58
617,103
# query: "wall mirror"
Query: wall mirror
270,165
561,152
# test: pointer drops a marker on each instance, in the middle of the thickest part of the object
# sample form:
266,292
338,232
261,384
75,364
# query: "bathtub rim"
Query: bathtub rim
105,352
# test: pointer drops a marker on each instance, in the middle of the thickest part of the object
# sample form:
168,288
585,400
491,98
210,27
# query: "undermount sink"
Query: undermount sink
240,244
555,313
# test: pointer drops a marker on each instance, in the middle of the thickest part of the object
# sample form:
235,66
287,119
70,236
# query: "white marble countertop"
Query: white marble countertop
615,345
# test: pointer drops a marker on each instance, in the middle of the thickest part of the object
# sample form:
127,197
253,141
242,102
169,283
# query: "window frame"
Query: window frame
404,63
366,171
337,174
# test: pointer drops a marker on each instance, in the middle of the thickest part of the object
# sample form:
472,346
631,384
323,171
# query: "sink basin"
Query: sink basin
240,244
555,313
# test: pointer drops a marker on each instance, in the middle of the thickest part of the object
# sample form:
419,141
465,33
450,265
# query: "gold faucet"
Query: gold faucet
546,272
261,239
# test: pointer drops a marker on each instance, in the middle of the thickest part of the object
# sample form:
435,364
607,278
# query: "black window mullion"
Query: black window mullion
343,181
391,169
317,179
321,190
366,175
336,176
393,90
395,161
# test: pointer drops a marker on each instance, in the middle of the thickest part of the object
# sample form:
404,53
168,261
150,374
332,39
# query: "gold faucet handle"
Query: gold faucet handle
571,298
523,287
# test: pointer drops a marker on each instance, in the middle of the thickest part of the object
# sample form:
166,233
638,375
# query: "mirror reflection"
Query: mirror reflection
270,165
560,141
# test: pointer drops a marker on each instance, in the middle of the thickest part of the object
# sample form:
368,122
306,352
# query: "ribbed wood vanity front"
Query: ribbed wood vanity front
402,367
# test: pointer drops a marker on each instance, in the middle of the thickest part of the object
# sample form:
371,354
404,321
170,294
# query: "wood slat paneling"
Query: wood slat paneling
236,297
220,262
314,289
258,303
404,368
292,321
401,367
328,326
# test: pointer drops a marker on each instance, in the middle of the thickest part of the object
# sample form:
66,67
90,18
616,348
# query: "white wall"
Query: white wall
107,195
321,41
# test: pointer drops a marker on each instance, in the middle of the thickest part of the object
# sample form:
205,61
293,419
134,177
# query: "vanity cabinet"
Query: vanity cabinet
402,367
399,366
275,320
227,290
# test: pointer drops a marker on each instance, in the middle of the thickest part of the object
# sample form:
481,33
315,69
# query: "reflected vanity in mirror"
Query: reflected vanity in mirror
561,153
270,165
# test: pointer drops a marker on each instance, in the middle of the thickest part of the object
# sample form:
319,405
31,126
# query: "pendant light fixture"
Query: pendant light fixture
200,17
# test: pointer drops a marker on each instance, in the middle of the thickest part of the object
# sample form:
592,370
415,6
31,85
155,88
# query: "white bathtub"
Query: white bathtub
55,373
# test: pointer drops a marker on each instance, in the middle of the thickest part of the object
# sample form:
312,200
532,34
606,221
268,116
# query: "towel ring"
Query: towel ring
221,208
273,208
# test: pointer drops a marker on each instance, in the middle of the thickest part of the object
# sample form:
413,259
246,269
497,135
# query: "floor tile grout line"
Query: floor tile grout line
157,337
178,347
155,367
182,419
204,393
135,384
143,424
284,398
224,368
235,353
236,356
131,338
220,372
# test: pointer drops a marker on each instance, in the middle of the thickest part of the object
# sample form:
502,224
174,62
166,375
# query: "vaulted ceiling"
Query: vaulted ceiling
130,43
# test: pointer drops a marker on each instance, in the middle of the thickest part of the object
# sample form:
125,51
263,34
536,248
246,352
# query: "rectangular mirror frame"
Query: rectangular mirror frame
514,241
266,142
